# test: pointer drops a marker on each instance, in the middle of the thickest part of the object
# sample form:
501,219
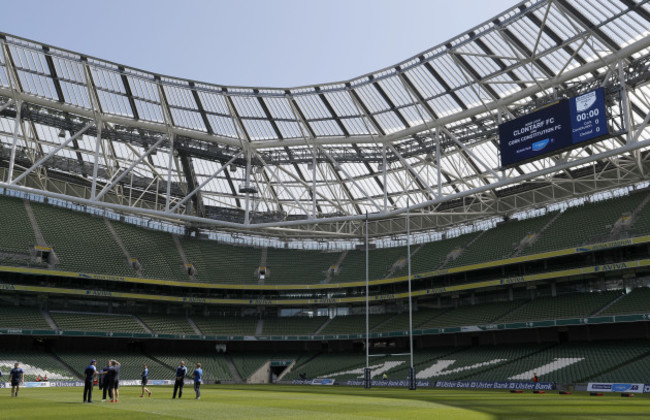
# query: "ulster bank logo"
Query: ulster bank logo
540,145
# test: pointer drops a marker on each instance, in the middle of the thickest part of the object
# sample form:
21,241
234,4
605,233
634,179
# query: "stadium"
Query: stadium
467,219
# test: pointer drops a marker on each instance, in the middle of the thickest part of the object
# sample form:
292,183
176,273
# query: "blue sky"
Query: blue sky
275,43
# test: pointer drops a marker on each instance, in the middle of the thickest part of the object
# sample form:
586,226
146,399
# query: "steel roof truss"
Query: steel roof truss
128,170
49,155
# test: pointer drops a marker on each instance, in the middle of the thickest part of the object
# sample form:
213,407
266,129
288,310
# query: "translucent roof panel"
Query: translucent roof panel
422,131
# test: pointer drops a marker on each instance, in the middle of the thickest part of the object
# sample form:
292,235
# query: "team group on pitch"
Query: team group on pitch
108,380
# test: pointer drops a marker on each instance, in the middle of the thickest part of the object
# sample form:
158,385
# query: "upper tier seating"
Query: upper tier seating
380,261
16,233
84,243
501,242
81,242
293,266
584,224
154,250
432,255
220,263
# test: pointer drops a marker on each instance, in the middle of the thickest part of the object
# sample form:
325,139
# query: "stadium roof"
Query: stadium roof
314,160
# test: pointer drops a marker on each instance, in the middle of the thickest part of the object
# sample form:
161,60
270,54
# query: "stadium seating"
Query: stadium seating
130,363
433,254
326,364
84,243
220,263
293,266
565,306
292,325
16,233
591,222
154,250
35,363
354,324
214,365
641,223
479,314
634,370
636,302
248,363
380,261
167,324
400,322
22,317
473,361
569,362
83,321
81,242
226,326
501,242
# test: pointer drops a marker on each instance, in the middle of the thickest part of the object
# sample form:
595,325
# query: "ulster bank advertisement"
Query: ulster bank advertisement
555,127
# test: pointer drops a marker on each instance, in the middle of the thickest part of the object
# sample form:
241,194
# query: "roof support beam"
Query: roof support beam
288,190
55,76
575,13
17,124
129,93
203,184
52,153
199,106
128,170
412,172
627,148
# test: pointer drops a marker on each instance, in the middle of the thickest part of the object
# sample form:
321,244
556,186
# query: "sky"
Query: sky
263,43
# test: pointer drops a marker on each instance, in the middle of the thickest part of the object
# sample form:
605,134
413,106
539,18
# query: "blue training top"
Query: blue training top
181,371
198,374
145,373
90,372
15,374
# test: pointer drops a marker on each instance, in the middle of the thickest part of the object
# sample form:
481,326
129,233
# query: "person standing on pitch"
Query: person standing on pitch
103,380
145,379
17,376
116,379
198,376
109,380
181,371
89,378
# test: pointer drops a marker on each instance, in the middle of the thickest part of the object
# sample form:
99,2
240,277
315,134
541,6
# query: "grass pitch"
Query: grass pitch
300,402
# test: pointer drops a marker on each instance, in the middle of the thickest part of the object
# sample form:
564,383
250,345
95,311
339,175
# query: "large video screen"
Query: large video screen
558,126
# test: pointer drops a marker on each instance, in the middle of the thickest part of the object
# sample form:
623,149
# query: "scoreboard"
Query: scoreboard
556,127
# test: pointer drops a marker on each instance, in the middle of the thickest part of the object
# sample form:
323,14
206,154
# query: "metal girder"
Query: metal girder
493,70
49,155
200,186
127,170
